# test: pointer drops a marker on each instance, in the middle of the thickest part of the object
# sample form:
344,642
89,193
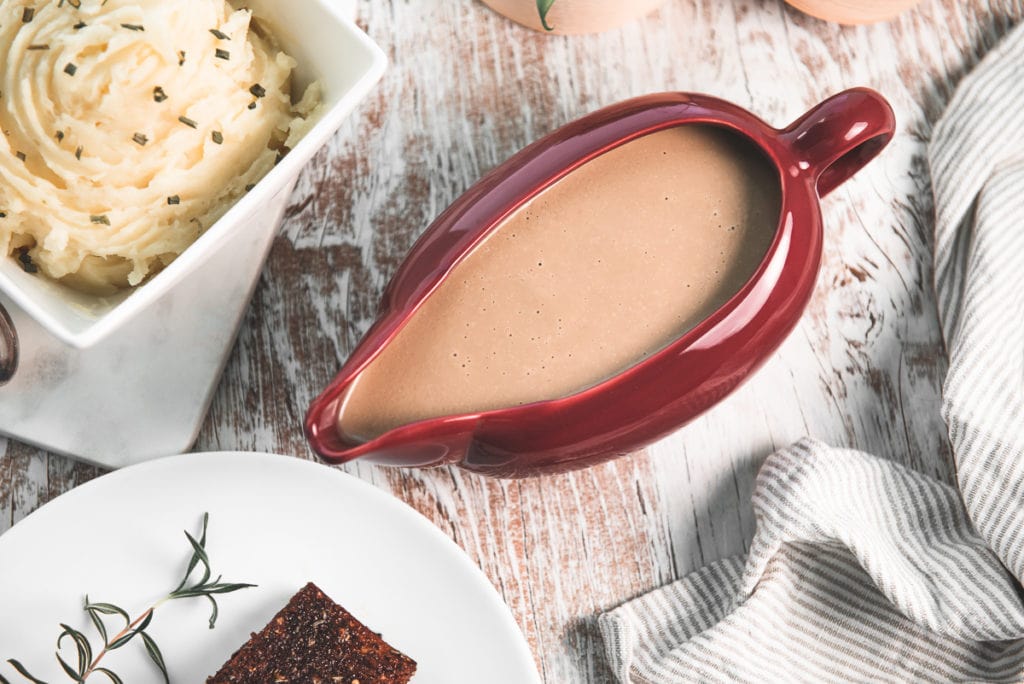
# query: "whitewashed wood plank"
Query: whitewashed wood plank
467,89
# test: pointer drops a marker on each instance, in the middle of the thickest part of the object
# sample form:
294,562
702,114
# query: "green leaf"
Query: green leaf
108,609
118,643
145,621
3,680
81,645
198,554
70,670
543,7
207,589
23,672
154,653
98,623
206,521
121,641
226,588
216,611
113,677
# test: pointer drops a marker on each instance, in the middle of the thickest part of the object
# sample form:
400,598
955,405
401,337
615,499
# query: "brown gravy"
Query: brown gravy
602,269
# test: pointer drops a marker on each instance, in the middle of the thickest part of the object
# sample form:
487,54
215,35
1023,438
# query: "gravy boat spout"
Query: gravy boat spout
487,355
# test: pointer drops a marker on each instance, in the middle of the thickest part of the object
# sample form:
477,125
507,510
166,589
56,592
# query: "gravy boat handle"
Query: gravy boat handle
838,137
8,347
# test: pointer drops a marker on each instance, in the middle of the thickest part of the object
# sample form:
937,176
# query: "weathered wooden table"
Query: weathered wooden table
466,89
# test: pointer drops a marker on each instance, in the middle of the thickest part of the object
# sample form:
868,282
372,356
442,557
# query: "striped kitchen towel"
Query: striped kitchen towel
861,569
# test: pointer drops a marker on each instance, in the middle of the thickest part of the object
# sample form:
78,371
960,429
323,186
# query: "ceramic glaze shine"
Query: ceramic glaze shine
605,267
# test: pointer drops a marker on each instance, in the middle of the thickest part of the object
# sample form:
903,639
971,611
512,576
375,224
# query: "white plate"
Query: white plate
275,521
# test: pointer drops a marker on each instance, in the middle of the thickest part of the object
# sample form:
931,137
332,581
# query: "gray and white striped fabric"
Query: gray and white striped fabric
861,569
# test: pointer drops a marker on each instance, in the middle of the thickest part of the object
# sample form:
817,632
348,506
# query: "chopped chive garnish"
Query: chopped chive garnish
3,214
222,54
78,153
44,46
27,15
25,259
158,94
79,25
188,122
220,35
252,105
134,27
181,57
20,155
174,199
60,136
258,90
140,139
100,219
70,69
218,137
249,187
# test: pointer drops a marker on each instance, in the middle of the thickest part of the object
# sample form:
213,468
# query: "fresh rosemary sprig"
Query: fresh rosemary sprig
88,661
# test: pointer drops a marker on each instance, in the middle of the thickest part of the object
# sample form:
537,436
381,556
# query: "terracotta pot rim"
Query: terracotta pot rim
564,21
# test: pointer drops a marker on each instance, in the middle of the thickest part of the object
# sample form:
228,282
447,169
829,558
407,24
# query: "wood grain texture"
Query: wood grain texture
465,90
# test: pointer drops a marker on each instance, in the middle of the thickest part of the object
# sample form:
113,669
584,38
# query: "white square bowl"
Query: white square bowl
329,48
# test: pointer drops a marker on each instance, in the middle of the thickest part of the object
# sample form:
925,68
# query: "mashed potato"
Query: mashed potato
129,127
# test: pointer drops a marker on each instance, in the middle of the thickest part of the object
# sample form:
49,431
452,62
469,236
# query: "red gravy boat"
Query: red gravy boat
669,388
